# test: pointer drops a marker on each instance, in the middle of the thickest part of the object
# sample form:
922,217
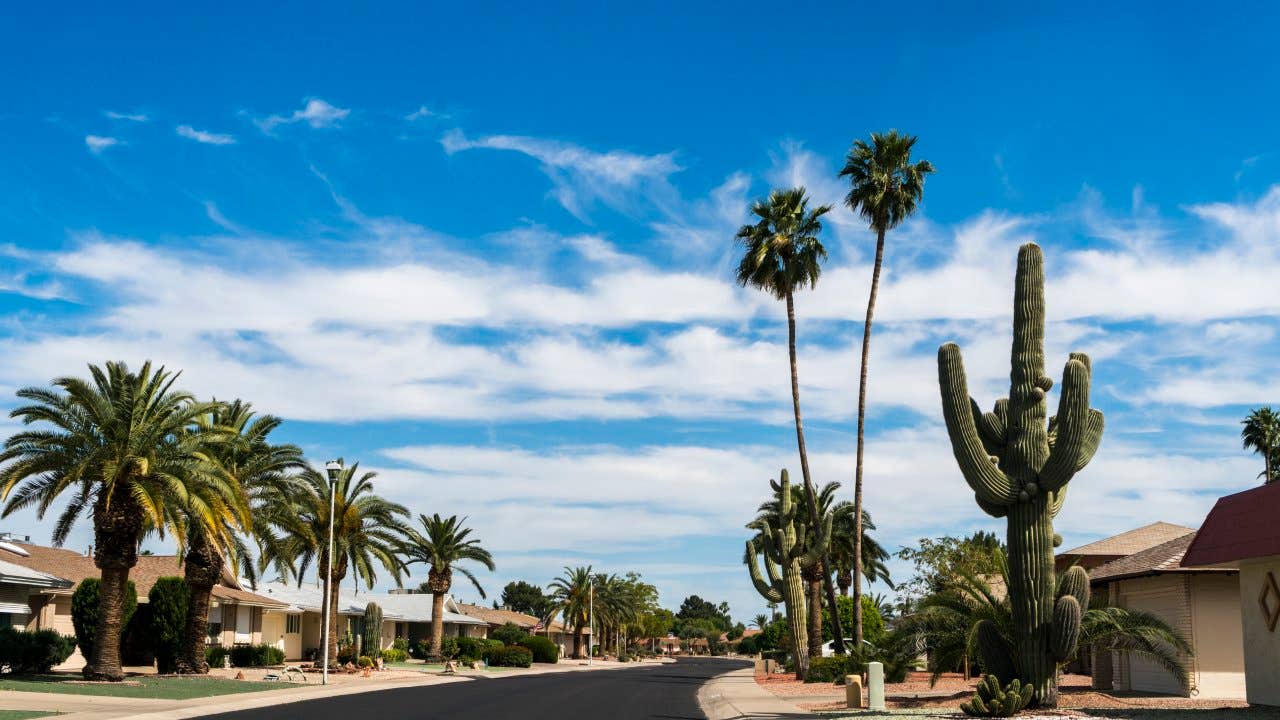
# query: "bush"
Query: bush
256,655
420,650
137,645
449,647
85,604
167,602
509,634
401,644
544,651
394,655
625,658
365,661
511,656
215,654
472,648
749,645
833,669
33,652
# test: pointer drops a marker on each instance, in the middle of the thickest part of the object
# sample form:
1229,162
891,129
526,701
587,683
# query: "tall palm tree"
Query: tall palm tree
367,530
886,189
1261,434
262,471
782,254
875,558
120,443
442,545
570,596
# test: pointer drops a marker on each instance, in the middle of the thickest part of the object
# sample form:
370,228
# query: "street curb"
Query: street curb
734,695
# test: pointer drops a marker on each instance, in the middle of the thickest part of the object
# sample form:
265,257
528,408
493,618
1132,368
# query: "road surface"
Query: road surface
647,691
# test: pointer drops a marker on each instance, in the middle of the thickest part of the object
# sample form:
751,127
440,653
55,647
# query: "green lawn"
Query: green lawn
159,688
25,714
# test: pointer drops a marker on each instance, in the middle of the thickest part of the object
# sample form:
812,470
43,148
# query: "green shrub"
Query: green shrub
472,648
167,602
420,650
449,647
748,645
394,655
137,644
832,669
401,644
509,634
33,652
544,651
215,654
511,656
625,658
365,661
256,655
85,604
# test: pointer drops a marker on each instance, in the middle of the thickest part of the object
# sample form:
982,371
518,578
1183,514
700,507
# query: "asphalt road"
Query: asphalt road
666,692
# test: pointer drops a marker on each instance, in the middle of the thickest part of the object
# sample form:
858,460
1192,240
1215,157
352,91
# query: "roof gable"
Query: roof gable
1133,541
1239,527
1162,558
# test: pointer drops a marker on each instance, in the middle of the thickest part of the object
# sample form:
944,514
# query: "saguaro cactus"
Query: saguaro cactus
1018,465
371,636
785,551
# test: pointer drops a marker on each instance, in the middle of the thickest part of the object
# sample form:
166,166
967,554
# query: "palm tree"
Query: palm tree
948,622
886,189
782,254
875,558
1261,434
120,443
261,469
367,530
443,544
570,596
760,621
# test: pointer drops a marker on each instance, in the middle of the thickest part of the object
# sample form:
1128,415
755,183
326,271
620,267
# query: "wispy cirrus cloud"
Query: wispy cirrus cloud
316,112
204,137
98,143
131,117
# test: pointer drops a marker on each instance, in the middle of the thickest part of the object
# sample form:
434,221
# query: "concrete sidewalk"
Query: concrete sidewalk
736,696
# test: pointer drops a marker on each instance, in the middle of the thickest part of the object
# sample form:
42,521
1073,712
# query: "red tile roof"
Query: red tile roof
1160,559
1240,526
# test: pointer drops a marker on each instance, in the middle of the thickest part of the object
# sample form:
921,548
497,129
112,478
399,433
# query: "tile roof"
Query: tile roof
1239,527
1162,558
1128,543
15,574
498,616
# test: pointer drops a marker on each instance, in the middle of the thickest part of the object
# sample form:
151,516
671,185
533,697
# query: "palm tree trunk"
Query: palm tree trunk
815,618
117,525
105,663
862,420
810,496
577,641
437,623
202,568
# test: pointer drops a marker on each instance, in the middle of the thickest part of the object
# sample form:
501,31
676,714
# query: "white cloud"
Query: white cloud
204,137
422,113
316,112
131,117
98,143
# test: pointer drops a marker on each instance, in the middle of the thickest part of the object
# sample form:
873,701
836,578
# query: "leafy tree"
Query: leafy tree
526,598
509,634
443,545
571,598
1261,434
120,442
886,187
873,629
782,253
695,608
168,601
736,631
367,530
262,471
86,603
938,562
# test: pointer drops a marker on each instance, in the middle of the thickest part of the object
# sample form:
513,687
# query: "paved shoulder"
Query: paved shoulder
734,695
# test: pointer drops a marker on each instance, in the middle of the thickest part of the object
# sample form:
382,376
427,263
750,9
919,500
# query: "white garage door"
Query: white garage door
1145,675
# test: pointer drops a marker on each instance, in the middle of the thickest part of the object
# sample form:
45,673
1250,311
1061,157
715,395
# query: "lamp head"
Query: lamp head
333,467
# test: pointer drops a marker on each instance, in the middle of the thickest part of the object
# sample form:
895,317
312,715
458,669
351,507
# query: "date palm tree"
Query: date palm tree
570,596
442,545
262,471
874,565
368,530
1261,434
886,190
120,445
782,253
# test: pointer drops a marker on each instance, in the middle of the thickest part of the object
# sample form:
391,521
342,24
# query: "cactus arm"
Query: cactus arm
988,482
990,428
1092,439
997,511
1066,628
767,591
818,546
772,545
1056,501
1072,425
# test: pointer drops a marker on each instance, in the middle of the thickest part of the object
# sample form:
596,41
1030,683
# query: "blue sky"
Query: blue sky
488,253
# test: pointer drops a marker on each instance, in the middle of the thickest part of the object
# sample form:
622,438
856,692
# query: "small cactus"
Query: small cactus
991,700
371,637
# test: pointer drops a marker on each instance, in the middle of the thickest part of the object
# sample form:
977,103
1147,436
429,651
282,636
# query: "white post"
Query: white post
332,468
591,620
875,686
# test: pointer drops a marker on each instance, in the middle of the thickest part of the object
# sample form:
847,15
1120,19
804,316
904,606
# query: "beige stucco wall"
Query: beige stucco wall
1261,646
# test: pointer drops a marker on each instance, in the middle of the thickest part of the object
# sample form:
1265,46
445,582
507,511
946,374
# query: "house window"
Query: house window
293,624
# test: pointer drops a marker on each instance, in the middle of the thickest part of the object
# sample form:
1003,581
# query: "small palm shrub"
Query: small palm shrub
544,651
37,651
511,656
993,701
508,634
85,604
167,602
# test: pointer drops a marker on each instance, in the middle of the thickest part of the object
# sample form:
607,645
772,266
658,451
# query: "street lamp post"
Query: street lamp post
591,620
333,468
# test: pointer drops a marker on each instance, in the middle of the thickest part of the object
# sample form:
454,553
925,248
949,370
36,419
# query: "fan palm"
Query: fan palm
782,253
886,189
442,545
1261,434
948,623
368,530
570,596
120,443
262,471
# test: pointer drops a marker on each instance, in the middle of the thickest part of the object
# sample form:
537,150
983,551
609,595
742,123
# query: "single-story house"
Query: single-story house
556,631
1242,533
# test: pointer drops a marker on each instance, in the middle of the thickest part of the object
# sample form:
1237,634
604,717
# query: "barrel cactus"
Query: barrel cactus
1018,463
785,550
994,700
371,635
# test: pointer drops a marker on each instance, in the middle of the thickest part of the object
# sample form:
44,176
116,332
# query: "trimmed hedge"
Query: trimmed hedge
85,604
256,655
393,654
543,650
33,652
167,602
509,634
511,656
